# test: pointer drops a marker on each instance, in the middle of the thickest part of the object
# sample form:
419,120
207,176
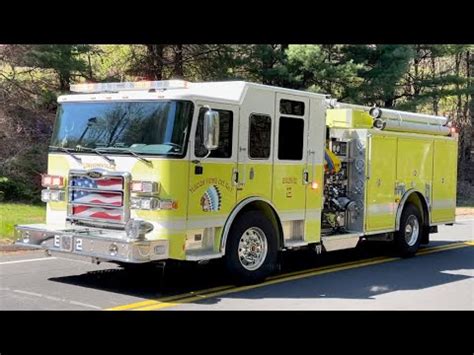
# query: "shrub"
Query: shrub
16,191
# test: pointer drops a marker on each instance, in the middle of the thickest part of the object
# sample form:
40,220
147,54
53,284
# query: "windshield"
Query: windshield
158,127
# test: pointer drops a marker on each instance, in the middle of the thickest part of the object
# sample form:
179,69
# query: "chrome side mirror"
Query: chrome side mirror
211,130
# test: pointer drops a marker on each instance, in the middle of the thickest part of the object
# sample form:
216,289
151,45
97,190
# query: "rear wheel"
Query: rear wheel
408,237
251,248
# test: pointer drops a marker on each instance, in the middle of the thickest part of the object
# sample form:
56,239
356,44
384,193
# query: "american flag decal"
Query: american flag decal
98,198
97,212
95,198
103,184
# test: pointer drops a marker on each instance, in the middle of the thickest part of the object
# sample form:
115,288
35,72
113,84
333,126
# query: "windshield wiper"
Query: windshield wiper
96,150
139,157
68,151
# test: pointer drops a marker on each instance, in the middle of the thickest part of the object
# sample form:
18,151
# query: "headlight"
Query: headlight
50,195
52,181
144,203
152,203
145,186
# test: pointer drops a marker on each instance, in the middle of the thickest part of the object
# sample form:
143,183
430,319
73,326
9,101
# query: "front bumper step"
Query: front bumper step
99,244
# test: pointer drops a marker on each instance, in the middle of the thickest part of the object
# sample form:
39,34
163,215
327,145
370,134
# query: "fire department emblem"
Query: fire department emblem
211,199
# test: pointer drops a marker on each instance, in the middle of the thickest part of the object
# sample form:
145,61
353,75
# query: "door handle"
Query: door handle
305,177
235,176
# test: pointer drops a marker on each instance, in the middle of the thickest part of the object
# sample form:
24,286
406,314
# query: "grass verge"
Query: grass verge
18,213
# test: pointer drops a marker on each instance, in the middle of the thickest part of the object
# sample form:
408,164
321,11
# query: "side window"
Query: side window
290,107
290,138
259,136
225,135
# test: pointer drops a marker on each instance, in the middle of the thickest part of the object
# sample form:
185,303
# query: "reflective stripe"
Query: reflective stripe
443,204
314,213
182,224
206,221
291,215
382,208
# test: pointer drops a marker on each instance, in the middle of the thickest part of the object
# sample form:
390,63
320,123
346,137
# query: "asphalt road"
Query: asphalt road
368,277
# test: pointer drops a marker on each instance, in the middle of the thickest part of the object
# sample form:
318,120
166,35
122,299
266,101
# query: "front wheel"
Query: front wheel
408,237
251,250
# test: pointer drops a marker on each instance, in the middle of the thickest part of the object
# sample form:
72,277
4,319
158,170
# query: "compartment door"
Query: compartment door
443,205
381,175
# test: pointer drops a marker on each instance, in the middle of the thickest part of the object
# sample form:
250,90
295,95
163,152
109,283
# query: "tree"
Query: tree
381,67
323,68
67,61
266,63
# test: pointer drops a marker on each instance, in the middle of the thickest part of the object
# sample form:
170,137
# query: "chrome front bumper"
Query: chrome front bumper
98,244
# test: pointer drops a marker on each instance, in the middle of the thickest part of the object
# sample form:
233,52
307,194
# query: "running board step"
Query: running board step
202,255
340,241
290,244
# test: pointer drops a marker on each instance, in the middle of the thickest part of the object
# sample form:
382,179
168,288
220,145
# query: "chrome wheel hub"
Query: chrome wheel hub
253,248
412,229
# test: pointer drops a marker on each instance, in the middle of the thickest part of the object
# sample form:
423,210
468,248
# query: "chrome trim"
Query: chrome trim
92,189
412,230
203,256
293,232
95,243
125,208
401,205
96,204
252,249
291,244
155,187
235,212
100,221
339,242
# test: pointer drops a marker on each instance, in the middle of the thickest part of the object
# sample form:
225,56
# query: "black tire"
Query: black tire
411,217
256,222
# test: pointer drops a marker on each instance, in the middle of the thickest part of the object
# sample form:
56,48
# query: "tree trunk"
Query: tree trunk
178,62
388,103
457,61
416,89
433,75
64,81
469,147
91,74
155,61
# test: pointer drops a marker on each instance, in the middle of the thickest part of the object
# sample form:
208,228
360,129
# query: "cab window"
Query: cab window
225,135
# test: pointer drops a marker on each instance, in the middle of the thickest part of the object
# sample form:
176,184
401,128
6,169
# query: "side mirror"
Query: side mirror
211,130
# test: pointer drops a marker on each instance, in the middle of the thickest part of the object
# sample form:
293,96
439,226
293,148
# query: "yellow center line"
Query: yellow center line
204,292
164,299
224,290
443,247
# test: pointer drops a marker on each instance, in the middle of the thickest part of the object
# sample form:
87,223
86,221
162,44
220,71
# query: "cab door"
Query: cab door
255,153
212,193
289,163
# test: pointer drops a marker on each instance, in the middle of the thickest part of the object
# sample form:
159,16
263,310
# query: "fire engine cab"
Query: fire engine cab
154,171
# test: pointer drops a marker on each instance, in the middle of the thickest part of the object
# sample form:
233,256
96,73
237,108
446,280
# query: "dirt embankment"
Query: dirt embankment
465,211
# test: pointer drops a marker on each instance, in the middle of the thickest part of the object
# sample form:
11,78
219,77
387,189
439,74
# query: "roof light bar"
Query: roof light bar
129,86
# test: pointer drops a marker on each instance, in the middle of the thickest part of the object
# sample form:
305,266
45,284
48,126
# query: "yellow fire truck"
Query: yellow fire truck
171,170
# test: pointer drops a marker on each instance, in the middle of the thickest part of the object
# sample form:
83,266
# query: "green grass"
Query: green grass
17,213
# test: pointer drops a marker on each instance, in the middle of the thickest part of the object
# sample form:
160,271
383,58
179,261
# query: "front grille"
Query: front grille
98,196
